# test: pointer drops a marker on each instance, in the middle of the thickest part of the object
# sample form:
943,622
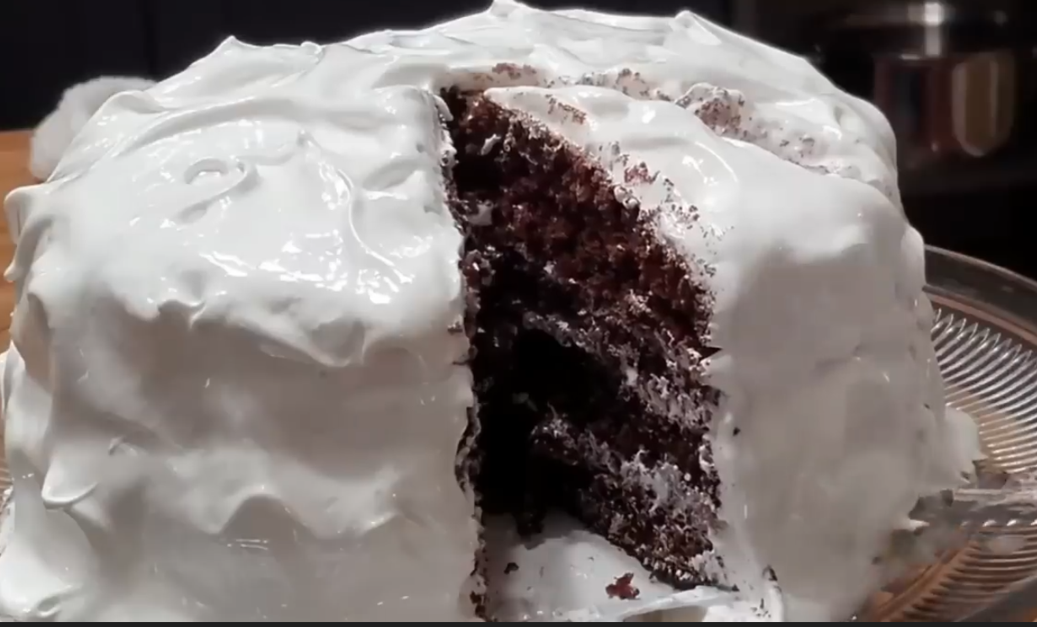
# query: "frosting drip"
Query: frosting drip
232,393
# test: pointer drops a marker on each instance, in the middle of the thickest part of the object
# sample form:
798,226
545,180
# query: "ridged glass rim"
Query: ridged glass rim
986,323
984,291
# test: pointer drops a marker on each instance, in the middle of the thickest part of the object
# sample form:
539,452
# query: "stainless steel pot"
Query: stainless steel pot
954,77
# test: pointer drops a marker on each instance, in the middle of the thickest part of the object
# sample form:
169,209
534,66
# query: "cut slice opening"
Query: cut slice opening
586,335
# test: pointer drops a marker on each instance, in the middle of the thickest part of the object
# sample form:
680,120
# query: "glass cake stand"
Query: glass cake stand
986,342
985,334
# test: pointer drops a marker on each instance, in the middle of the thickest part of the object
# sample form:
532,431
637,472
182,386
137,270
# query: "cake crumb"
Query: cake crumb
510,568
622,588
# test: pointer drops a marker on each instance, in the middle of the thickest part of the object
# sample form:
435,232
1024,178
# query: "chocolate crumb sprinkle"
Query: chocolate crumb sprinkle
622,588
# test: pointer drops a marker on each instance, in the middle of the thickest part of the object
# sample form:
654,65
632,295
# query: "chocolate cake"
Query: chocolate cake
575,312
299,335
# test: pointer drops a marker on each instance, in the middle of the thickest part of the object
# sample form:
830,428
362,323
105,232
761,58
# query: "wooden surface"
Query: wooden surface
14,172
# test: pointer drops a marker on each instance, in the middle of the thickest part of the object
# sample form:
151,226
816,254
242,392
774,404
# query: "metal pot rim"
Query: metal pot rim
927,28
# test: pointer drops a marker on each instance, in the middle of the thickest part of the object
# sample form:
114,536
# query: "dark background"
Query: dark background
47,46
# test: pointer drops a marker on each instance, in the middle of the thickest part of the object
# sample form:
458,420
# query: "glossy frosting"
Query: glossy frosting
232,394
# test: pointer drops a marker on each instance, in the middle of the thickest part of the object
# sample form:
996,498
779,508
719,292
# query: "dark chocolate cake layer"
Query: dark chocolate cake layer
575,313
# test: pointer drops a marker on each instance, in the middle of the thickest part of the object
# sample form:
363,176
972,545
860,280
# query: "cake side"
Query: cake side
830,422
232,394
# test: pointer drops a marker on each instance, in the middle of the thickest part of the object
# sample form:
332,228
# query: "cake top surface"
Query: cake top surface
349,134
289,201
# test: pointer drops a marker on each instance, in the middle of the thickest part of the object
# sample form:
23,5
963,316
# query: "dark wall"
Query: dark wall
47,46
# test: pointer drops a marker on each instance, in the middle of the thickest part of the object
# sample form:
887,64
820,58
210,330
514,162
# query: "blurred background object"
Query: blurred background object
956,77
958,81
953,77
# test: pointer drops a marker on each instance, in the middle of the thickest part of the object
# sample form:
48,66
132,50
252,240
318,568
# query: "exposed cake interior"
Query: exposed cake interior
587,334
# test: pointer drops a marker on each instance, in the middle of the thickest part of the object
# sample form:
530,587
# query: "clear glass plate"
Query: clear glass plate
985,334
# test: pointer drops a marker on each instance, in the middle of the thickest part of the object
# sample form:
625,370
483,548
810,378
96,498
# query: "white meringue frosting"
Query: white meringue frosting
232,394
